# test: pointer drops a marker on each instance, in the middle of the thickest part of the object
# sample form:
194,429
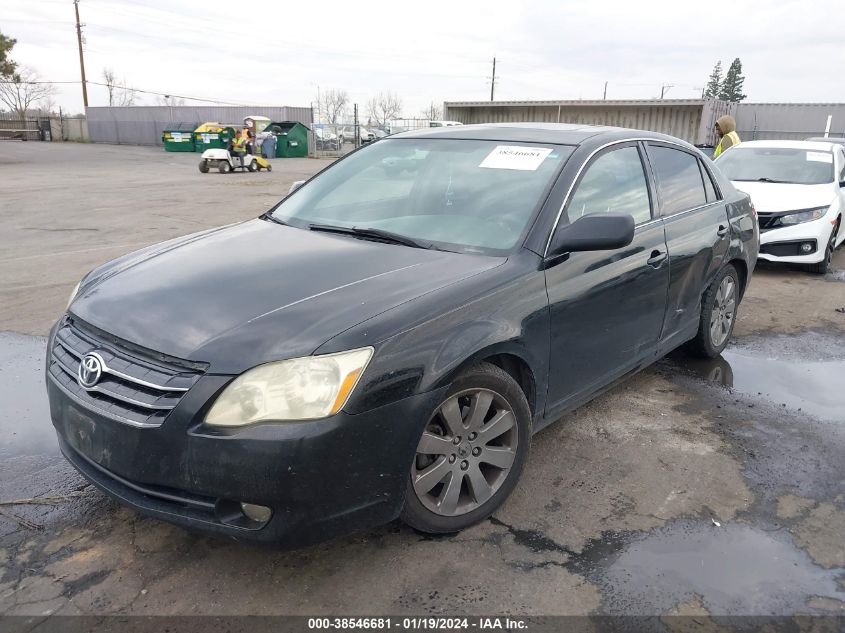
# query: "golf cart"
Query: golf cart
226,162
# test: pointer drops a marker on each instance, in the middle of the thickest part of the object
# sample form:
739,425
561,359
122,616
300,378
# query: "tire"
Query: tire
269,168
203,167
253,165
224,167
482,486
821,268
715,328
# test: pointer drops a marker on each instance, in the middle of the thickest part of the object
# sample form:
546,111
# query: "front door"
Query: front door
607,307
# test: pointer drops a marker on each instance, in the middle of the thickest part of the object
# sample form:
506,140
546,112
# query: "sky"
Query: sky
282,53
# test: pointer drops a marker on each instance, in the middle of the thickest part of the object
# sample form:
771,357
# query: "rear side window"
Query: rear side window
842,162
678,179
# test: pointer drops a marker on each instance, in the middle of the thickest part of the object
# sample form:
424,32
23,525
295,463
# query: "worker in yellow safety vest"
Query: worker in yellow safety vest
726,131
238,147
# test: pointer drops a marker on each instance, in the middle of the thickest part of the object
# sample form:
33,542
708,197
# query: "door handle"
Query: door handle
656,259
723,230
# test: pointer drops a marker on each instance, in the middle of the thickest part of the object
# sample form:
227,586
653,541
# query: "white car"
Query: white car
798,189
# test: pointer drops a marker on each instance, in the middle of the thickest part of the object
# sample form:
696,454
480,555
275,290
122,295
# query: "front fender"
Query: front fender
507,313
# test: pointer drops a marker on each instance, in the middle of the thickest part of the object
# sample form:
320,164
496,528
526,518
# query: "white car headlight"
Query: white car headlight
307,388
73,295
803,216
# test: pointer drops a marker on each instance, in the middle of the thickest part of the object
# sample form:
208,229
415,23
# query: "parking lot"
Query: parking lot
695,488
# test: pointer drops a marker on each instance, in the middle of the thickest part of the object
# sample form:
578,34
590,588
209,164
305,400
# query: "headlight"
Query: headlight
803,216
298,389
73,295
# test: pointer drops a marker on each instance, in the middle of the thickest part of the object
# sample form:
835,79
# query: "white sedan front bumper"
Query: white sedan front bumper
775,243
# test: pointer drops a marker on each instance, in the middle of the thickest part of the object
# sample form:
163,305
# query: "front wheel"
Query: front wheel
203,167
718,315
823,266
471,453
269,168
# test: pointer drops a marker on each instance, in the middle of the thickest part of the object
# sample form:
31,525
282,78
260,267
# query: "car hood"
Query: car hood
771,197
259,291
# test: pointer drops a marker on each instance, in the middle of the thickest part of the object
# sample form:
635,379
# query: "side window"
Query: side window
613,183
709,189
678,179
842,162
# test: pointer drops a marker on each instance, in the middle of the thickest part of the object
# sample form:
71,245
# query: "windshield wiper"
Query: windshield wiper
764,179
272,218
379,234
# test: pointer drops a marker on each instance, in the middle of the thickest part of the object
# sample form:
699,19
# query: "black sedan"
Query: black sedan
385,341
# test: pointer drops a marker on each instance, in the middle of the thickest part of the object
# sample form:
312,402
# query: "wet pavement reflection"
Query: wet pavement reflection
813,387
735,569
25,427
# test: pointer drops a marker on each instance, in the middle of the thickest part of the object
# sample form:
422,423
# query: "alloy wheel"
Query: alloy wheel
465,453
723,312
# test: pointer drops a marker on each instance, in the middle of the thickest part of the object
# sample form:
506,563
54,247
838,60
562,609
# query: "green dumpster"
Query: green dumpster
179,137
213,136
291,139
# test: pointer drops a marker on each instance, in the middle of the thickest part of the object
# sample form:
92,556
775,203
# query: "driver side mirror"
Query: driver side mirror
296,185
599,232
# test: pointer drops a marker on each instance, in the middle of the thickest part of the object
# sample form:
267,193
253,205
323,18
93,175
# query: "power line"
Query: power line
149,92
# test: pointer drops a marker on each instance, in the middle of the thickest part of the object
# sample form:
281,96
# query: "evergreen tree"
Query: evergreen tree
731,89
714,84
7,66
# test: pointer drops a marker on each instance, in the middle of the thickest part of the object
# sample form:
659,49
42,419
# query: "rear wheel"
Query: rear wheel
718,315
823,266
253,165
224,167
471,453
203,167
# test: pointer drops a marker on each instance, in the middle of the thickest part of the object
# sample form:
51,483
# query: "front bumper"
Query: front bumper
776,245
321,478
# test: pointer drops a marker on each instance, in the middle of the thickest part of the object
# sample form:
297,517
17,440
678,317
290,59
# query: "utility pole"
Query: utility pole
664,88
81,58
604,98
493,81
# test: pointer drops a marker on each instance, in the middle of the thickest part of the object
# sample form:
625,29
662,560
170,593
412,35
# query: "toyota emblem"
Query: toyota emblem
90,370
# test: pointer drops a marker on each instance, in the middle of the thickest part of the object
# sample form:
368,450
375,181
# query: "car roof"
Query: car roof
838,140
818,146
557,133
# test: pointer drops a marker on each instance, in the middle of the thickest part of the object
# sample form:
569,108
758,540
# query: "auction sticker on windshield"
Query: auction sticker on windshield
820,157
516,157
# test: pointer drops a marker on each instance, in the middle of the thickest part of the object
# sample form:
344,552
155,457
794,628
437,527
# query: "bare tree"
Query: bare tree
119,93
333,104
23,90
170,101
432,112
384,107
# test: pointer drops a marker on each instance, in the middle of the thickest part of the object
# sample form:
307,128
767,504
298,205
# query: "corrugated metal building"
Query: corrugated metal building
793,121
689,119
143,125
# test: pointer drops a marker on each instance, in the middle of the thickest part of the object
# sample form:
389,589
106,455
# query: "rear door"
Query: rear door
697,234
606,307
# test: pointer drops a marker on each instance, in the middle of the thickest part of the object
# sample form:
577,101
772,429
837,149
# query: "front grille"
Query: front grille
132,389
768,221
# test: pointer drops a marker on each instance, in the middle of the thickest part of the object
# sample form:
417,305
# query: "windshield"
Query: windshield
463,195
777,164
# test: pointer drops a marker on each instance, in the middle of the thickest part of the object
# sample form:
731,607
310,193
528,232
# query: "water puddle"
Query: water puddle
773,371
736,569
25,427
